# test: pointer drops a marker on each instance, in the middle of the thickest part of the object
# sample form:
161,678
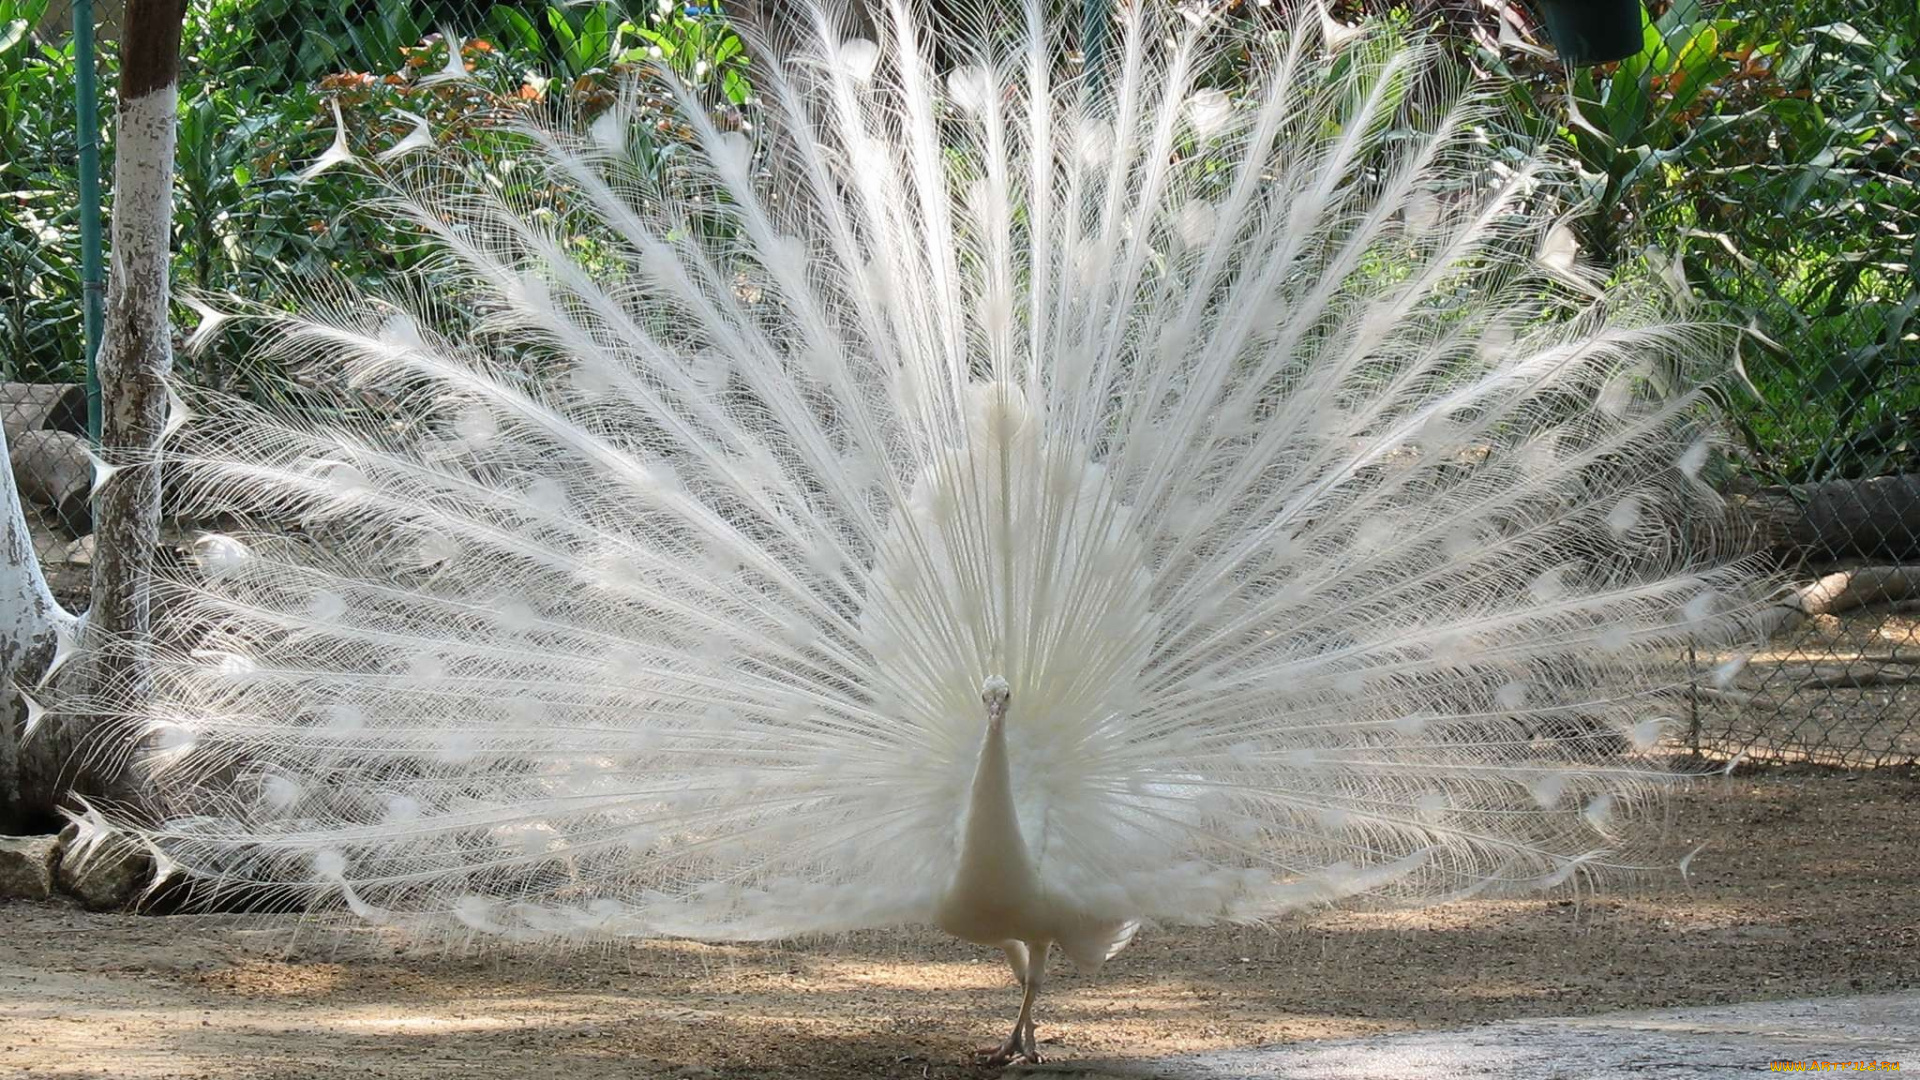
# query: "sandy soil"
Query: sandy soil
1809,886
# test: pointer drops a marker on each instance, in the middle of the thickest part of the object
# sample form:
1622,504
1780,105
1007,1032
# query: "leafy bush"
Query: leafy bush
1763,148
254,221
40,336
1766,151
1804,227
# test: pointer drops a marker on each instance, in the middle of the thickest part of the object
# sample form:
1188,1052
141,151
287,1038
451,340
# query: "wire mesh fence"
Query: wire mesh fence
1799,225
1804,231
1838,683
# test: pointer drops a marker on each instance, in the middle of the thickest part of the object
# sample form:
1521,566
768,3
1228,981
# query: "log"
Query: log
1845,590
1857,680
1875,518
53,469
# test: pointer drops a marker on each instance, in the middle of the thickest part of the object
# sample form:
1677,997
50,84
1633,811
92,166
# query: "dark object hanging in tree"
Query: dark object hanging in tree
1592,31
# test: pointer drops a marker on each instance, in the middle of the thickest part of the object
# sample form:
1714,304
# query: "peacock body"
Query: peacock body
998,498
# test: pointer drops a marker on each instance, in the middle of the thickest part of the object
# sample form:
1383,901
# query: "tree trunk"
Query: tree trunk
136,356
1846,590
1877,518
30,622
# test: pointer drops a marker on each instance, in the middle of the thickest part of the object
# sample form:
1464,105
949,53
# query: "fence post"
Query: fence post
1093,41
93,286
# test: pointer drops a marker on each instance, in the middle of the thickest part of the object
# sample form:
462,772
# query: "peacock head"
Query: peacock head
995,693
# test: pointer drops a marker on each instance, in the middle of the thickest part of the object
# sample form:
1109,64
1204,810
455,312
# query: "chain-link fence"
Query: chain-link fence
1801,226
1838,683
1797,222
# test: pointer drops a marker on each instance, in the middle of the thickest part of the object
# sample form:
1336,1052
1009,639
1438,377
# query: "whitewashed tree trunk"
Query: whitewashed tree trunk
136,356
30,622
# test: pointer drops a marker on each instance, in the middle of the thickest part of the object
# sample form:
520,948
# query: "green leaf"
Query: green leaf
1643,160
595,43
317,54
1804,122
515,30
1624,109
1678,14
665,44
562,28
1843,33
1698,65
1793,65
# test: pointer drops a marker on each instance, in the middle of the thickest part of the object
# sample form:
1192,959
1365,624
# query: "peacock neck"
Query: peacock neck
995,895
992,849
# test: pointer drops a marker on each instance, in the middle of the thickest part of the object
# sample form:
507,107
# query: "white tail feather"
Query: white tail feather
1329,538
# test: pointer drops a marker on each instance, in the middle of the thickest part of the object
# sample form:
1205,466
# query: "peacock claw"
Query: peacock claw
1019,1049
999,1057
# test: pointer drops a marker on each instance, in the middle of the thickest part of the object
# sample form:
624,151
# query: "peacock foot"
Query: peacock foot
1019,1049
999,1057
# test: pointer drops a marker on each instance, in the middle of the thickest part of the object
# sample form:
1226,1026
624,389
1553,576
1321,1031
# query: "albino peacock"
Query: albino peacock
1025,502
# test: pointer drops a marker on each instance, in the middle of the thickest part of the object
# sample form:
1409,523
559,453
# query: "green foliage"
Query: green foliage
583,42
250,223
1766,152
274,44
1643,114
703,50
1765,149
40,337
1804,228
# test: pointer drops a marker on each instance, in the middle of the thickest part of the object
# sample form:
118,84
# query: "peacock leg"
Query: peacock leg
1030,967
1016,959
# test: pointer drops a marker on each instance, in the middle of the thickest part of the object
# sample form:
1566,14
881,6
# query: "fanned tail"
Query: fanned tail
1333,536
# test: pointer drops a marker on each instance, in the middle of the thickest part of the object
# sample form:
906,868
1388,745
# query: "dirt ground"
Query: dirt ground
1809,885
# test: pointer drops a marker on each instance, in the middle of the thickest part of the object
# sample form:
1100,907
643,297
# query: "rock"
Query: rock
80,552
26,866
43,407
55,470
105,876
